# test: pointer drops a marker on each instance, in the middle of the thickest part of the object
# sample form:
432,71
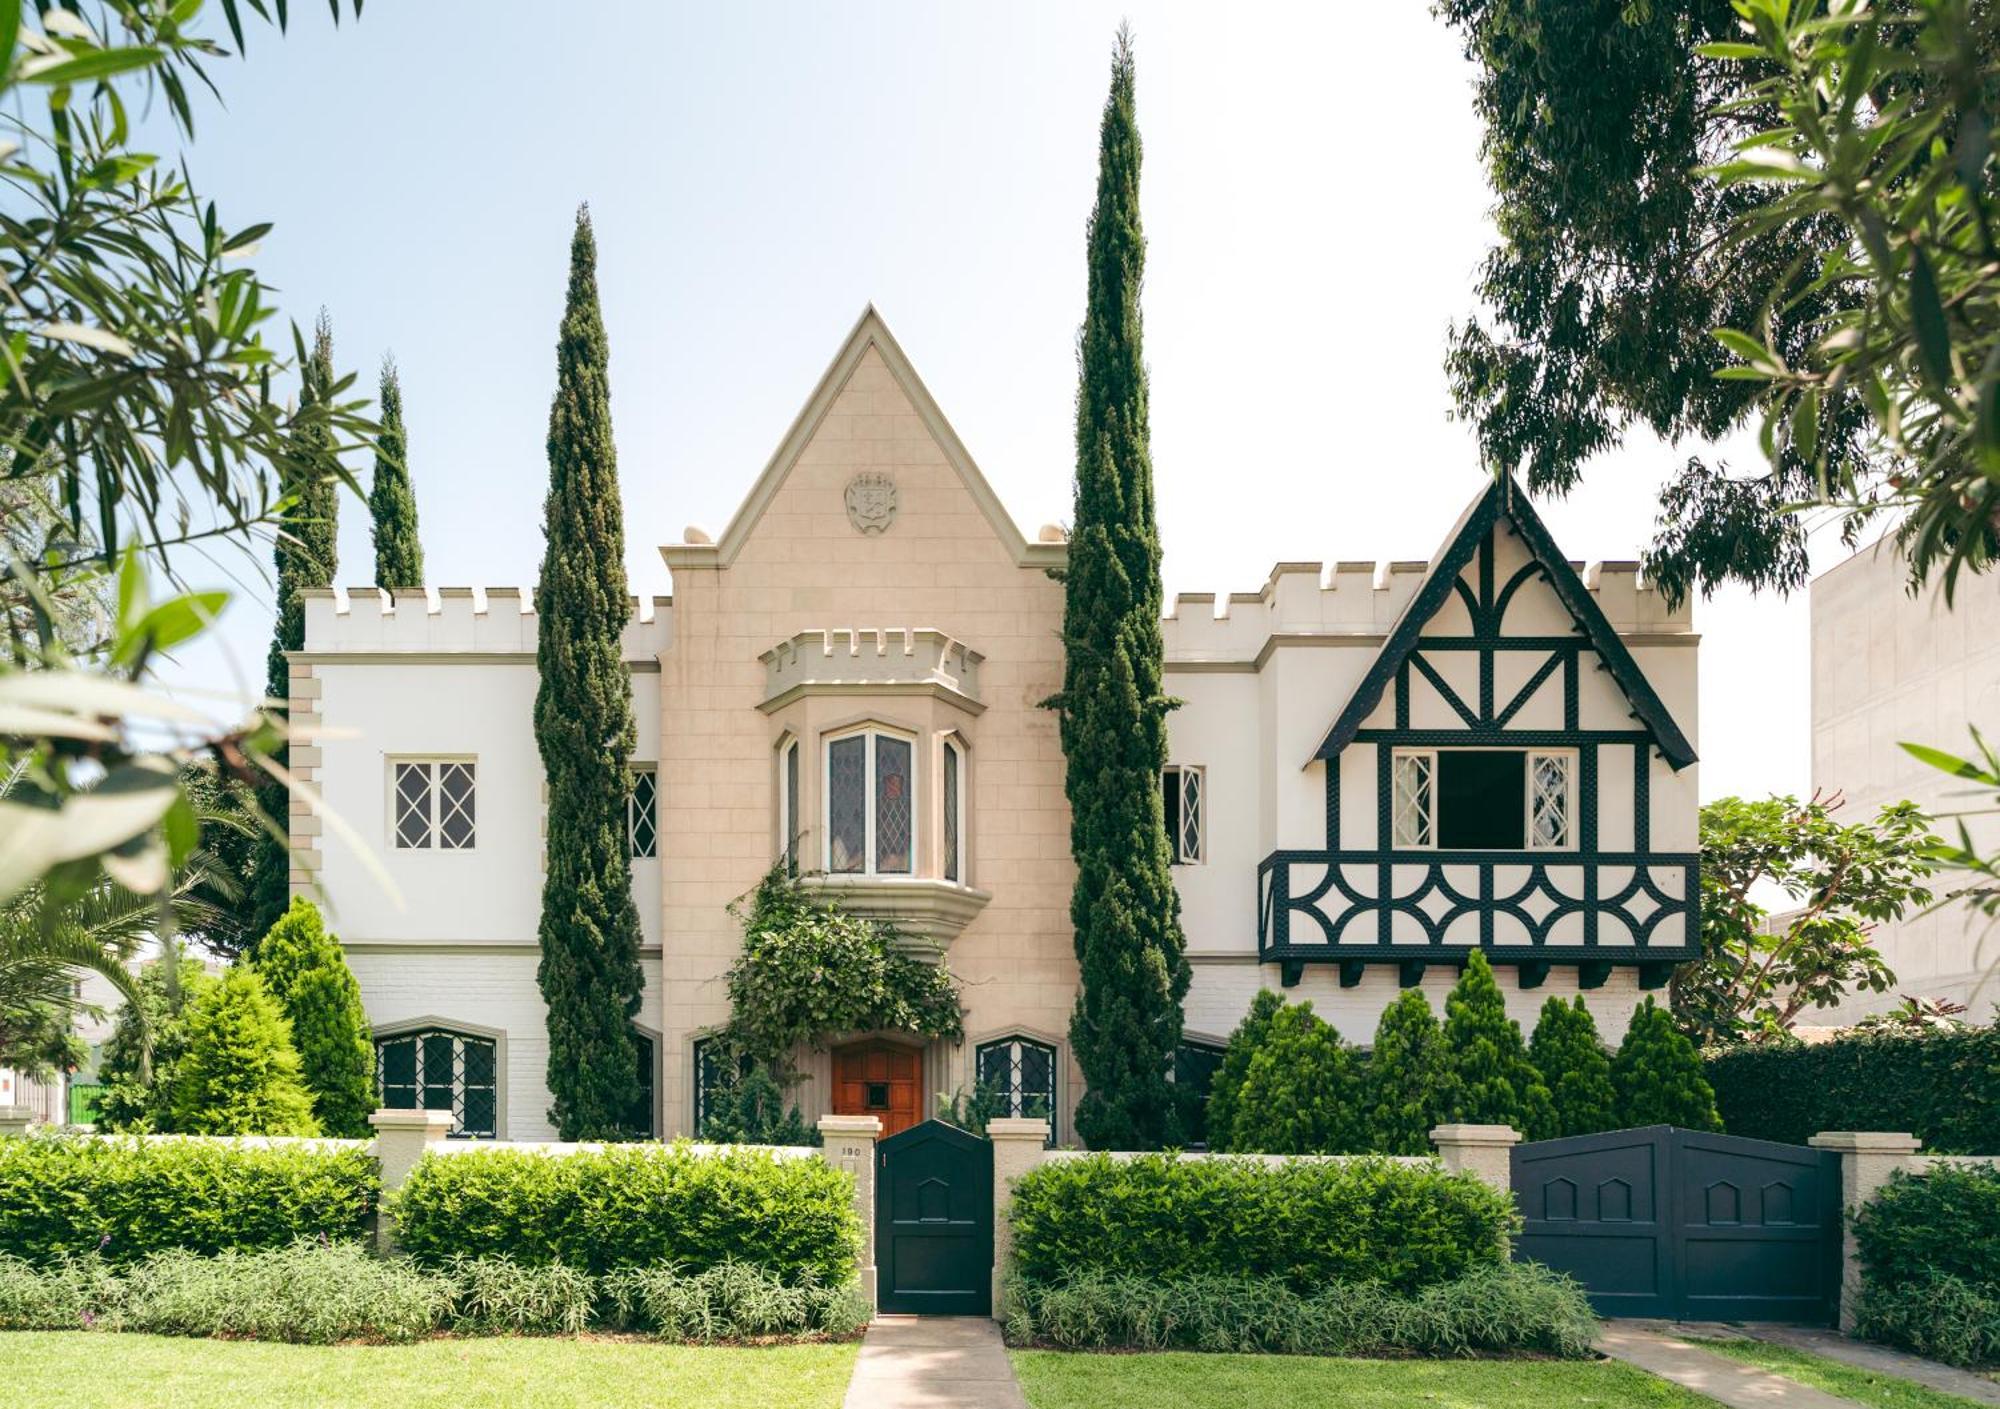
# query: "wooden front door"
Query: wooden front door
879,1079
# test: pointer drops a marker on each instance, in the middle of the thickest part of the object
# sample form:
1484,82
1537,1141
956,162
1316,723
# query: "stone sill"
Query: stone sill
930,912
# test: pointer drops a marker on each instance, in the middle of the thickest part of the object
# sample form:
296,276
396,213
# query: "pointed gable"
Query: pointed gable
1504,500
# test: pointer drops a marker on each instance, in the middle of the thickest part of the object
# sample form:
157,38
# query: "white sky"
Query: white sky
1313,200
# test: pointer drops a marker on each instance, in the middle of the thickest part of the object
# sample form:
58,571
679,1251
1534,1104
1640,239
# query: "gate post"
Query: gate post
1018,1146
1483,1150
848,1142
1867,1159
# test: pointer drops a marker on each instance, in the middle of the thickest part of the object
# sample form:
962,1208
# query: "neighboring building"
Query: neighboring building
1889,668
857,665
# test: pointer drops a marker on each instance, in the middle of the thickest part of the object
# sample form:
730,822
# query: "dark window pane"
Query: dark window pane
642,819
399,1061
478,1118
439,1071
478,1062
641,1119
455,818
792,823
1170,801
993,1067
1481,800
847,804
950,813
1022,1072
892,805
413,805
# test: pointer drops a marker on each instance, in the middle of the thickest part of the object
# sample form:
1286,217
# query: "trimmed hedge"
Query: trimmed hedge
633,1206
1308,1223
1944,1086
68,1195
1930,1263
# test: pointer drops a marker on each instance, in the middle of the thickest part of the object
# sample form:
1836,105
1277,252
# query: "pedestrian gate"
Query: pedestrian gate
934,1222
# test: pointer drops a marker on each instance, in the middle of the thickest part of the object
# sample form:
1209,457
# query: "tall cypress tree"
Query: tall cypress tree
589,971
1127,1021
392,501
1409,1086
1566,1051
1493,1082
307,554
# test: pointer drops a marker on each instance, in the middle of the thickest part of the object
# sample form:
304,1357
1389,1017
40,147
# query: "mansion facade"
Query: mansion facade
1376,769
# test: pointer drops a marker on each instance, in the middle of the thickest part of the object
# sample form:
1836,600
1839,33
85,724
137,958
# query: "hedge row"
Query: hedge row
633,1206
1942,1086
1307,1223
1930,1263
64,1195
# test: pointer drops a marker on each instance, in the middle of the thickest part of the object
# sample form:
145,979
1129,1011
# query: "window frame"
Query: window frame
435,764
870,734
1569,758
790,784
952,780
417,1034
1016,1099
650,772
1176,831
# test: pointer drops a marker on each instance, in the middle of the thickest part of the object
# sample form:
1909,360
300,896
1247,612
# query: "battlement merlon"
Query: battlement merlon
454,621
1364,600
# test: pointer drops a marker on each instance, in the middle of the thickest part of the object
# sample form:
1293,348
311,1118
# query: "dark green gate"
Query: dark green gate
1684,1224
934,1222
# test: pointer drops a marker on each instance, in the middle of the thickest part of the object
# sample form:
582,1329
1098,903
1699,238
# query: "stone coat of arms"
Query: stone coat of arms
871,502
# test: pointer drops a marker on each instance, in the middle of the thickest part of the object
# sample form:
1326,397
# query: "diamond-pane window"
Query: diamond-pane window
640,1122
952,867
1413,806
892,805
871,817
1181,795
413,805
438,1070
455,806
1020,1074
847,804
1548,800
434,805
642,813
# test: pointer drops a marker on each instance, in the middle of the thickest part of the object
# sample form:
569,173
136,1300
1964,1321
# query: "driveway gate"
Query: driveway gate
934,1222
1684,1224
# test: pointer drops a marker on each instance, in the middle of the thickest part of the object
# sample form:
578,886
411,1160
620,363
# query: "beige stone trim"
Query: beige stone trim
869,331
649,666
304,828
460,946
906,688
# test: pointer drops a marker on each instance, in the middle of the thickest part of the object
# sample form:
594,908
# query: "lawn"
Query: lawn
1056,1380
1833,1376
85,1370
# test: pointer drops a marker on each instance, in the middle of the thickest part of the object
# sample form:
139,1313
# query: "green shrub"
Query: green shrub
1658,1075
499,1294
240,1075
1504,1307
1493,1082
1943,1221
633,1206
303,967
1942,1085
734,1301
1408,1077
1301,1094
1243,1045
1566,1051
309,1293
138,1074
75,1195
68,1294
1310,1223
1943,1317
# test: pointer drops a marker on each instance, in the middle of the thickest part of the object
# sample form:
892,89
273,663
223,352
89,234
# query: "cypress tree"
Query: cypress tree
1243,1045
1493,1082
589,972
240,1075
392,500
1127,1020
307,554
1409,1078
303,967
1659,1077
1301,1093
1566,1051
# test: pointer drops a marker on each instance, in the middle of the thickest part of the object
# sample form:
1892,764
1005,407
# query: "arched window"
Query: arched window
954,811
789,821
440,1070
870,809
1020,1074
641,1119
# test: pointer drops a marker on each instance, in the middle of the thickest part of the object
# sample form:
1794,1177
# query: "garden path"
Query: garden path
1665,1352
1946,1379
934,1362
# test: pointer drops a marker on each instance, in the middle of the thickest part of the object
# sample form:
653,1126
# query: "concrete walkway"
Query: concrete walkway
1681,1359
934,1362
1880,1360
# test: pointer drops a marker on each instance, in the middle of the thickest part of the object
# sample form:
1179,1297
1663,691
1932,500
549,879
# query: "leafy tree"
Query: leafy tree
1493,1082
1567,1052
392,500
1242,1046
1126,913
1409,1077
240,1074
589,970
1658,1075
303,967
140,1062
1757,973
1302,1093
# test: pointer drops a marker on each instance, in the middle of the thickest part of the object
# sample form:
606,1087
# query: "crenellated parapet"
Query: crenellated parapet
844,658
455,620
1365,600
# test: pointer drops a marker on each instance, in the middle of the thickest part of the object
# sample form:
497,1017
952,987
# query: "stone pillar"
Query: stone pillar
1867,1159
15,1120
848,1142
1018,1146
1484,1150
401,1139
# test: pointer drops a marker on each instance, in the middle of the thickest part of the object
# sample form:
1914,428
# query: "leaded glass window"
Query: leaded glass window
1548,800
434,805
1195,1066
640,1122
1182,791
642,813
1413,806
871,819
440,1070
1020,1074
712,1078
953,819
790,820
